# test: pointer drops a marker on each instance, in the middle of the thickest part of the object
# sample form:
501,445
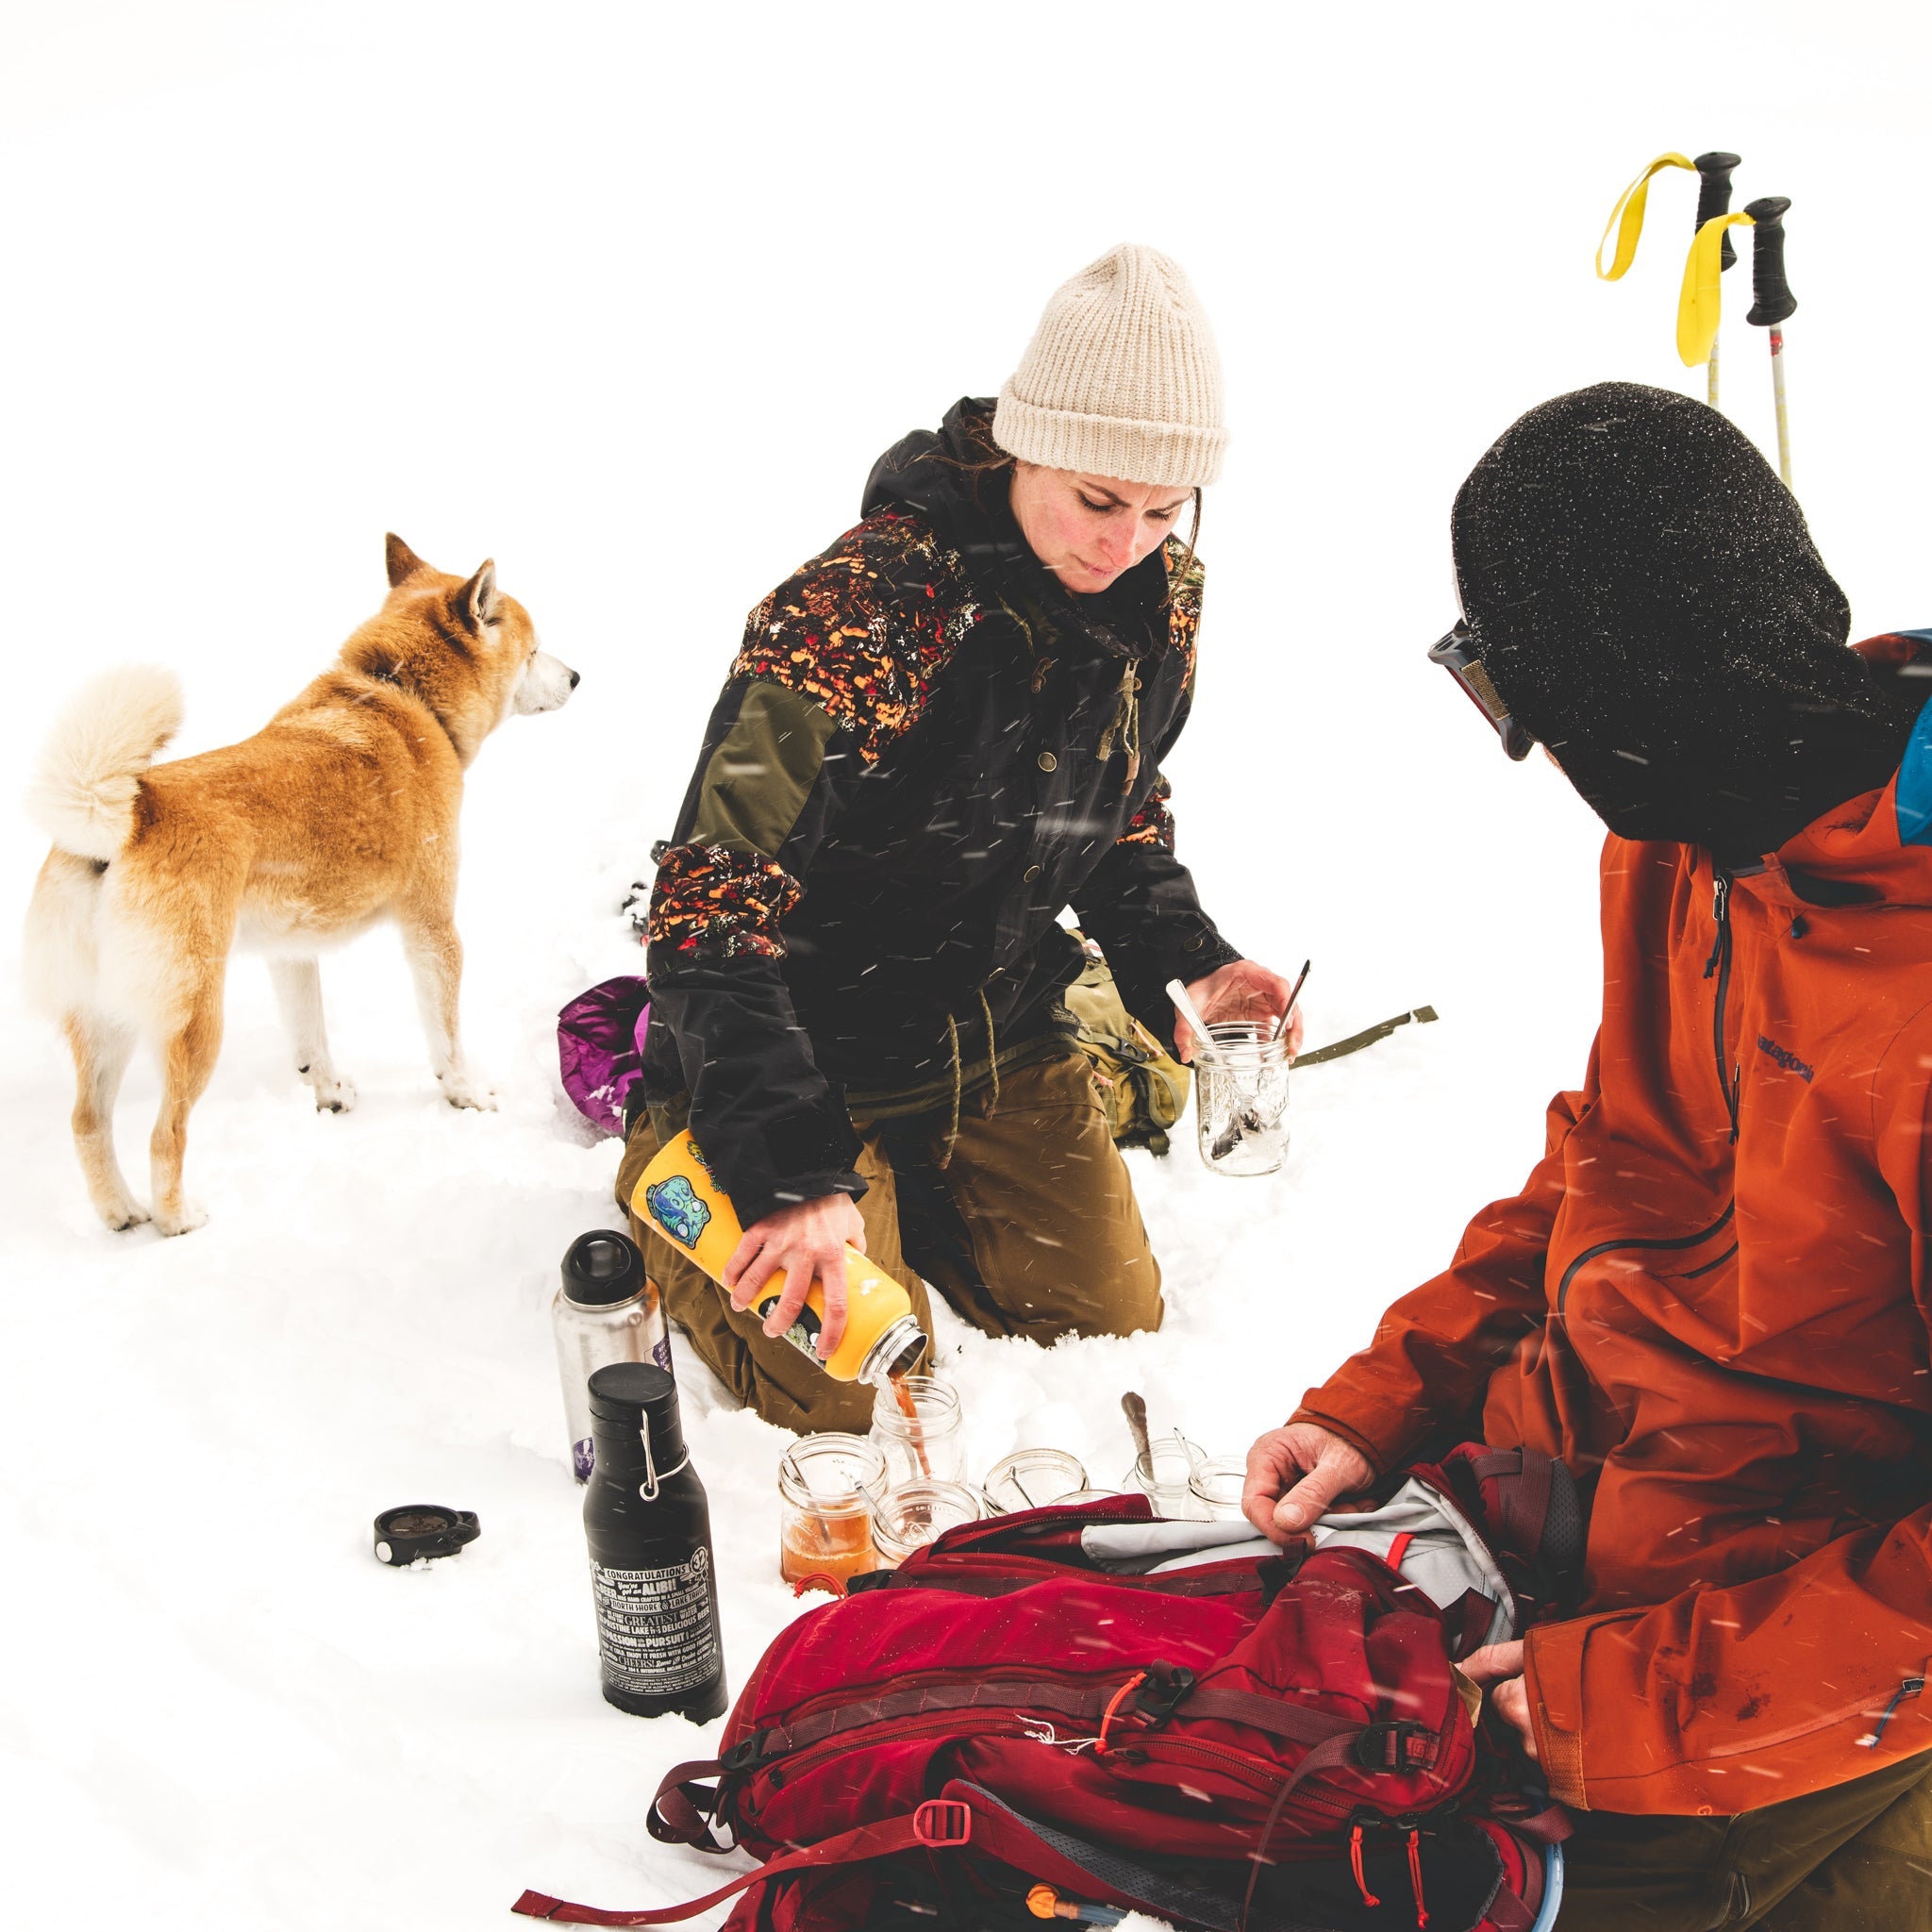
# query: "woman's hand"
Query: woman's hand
1294,1473
1241,990
1498,1668
807,1239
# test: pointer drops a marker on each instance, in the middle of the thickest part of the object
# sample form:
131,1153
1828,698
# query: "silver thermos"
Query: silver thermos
607,1310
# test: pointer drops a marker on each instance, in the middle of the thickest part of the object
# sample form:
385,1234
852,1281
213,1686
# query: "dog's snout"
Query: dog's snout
577,677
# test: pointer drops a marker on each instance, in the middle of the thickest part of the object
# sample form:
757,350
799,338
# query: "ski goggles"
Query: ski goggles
1455,655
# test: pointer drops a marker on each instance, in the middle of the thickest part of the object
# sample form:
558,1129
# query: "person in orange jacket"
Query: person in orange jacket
1710,1298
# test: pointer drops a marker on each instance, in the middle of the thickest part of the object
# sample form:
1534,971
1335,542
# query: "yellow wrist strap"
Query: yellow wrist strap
1630,205
1702,294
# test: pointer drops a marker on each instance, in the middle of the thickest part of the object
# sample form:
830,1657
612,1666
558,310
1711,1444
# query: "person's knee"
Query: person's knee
1100,1292
1129,1301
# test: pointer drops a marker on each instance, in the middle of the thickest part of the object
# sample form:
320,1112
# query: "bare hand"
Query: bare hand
1499,1667
806,1239
1241,990
1312,1466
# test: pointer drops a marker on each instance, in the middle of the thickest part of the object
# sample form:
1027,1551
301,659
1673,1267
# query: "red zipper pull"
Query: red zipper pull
1355,1865
1415,1877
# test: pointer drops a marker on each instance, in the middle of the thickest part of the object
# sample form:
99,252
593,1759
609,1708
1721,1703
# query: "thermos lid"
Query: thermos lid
422,1529
602,1268
640,1397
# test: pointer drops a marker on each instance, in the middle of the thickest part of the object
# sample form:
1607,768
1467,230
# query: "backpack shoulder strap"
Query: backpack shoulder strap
936,1825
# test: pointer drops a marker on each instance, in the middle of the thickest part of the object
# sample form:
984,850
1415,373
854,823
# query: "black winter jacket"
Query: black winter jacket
924,750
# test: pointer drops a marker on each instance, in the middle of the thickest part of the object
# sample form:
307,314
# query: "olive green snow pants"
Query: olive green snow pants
1029,1228
1854,1859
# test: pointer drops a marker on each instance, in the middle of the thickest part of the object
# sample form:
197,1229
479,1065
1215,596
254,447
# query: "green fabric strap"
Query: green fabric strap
1356,1041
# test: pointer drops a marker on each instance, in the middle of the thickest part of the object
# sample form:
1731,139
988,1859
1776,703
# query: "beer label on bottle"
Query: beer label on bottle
656,1627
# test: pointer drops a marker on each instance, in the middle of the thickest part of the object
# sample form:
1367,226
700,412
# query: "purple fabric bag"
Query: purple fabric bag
600,1048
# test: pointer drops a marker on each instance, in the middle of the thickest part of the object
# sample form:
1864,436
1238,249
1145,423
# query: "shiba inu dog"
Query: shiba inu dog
340,813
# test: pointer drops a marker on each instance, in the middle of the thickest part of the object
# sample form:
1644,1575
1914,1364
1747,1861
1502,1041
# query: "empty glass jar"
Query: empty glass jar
1164,1479
1034,1478
1241,1099
915,1514
1216,1488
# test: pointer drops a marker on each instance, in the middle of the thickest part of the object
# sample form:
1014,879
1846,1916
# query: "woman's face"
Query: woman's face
1088,529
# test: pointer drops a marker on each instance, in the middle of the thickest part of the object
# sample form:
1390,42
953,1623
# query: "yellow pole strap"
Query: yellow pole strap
1630,205
1700,299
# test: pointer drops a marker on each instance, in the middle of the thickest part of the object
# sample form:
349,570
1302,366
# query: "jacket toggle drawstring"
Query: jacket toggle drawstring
1123,727
992,1062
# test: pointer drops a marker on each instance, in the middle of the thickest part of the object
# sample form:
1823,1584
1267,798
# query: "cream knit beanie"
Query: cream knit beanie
1121,378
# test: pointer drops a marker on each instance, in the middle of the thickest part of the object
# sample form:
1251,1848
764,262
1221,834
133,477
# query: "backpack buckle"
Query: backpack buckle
942,1821
1166,1686
747,1754
1395,1744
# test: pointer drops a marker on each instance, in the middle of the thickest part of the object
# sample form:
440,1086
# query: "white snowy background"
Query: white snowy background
628,297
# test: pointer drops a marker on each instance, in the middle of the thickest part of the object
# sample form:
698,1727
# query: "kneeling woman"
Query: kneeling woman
939,732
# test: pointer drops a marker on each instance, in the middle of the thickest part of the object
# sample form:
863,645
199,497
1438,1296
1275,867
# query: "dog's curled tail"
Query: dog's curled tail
83,789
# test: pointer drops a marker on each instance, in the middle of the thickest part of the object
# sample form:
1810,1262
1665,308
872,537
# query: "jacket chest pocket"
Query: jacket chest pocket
1636,1267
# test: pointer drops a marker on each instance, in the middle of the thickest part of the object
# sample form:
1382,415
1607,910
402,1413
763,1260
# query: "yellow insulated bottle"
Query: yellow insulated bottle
678,1196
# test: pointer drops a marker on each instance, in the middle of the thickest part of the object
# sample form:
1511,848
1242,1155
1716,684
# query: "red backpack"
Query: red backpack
1002,1731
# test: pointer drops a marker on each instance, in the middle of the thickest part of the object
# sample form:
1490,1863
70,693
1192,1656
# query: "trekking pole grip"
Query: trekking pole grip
1774,298
1714,194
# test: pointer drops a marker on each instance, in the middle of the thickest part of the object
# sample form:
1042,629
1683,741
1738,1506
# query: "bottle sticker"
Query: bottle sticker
657,1628
802,1334
661,1351
673,1203
583,1457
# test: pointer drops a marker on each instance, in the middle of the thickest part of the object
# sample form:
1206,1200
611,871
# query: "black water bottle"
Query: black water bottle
652,1575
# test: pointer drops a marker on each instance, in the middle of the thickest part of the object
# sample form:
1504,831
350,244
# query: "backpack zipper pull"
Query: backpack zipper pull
1415,1878
1355,1865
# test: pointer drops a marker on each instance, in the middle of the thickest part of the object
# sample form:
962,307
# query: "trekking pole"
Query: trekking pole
1713,199
1775,302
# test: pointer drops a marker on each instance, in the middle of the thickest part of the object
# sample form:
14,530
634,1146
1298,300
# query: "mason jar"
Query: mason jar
916,1423
915,1514
1034,1479
830,1487
1163,1475
1241,1099
1217,1487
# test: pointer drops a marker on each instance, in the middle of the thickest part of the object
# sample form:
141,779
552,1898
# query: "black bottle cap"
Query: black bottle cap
602,1268
422,1529
641,1396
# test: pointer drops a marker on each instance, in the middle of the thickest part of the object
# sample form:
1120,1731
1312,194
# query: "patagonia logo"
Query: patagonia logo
1788,1061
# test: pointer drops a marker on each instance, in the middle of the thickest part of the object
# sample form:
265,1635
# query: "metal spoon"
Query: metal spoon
1136,1411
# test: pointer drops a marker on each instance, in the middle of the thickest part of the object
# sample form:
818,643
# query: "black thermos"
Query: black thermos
649,1527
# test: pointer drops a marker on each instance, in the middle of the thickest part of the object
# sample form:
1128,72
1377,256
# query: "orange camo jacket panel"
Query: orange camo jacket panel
1723,1330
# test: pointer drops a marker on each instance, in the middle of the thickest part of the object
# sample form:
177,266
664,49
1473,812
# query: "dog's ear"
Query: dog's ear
403,562
478,602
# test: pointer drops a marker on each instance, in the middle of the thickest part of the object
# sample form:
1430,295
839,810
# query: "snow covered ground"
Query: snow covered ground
630,297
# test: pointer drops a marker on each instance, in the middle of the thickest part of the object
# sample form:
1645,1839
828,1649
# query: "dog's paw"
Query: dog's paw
184,1220
122,1214
334,1094
460,1088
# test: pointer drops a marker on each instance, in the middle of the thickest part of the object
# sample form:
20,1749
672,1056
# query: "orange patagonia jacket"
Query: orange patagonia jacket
1710,1299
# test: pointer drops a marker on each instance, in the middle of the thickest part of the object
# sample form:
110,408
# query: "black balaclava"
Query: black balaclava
1644,593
